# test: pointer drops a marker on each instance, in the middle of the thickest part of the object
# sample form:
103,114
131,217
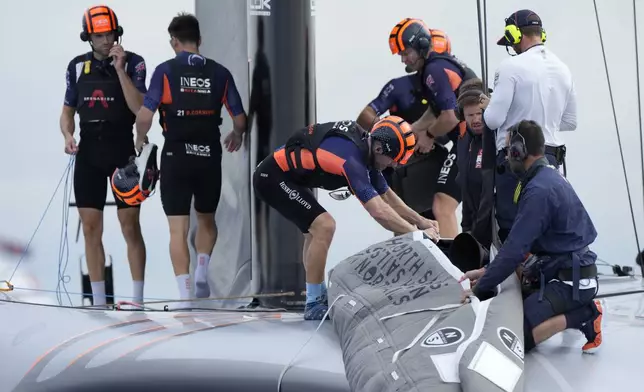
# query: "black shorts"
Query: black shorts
557,299
189,170
295,202
446,180
95,163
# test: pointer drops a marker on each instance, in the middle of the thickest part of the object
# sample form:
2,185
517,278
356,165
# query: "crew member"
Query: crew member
477,211
440,76
403,97
105,87
554,229
330,156
534,85
189,91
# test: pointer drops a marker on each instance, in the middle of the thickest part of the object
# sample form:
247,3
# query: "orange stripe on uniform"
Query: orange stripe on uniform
462,128
280,158
454,79
166,97
224,99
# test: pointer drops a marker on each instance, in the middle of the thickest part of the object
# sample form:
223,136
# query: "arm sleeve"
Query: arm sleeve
357,176
231,98
497,110
154,95
71,93
439,83
532,220
137,71
569,118
385,99
378,181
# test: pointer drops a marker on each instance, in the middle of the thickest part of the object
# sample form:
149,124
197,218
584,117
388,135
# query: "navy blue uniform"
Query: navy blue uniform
189,91
403,97
551,222
106,122
505,182
342,163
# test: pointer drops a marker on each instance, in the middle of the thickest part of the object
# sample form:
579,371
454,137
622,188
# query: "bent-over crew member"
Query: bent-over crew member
553,227
189,91
533,85
331,156
105,87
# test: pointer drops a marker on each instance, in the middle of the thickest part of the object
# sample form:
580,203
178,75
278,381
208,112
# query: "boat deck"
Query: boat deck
56,349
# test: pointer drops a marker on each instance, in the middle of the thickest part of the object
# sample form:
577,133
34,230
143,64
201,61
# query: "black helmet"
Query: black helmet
137,180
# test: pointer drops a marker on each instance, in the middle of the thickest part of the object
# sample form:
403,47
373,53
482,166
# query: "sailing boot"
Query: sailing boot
316,310
593,331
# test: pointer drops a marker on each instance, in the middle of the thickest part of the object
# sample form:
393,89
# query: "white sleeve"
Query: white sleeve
497,110
569,117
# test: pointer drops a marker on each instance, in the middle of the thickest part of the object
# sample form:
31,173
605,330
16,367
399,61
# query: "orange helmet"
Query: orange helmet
136,181
440,42
396,137
409,33
99,19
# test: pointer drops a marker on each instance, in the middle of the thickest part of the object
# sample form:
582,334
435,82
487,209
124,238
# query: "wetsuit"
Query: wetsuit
441,79
552,224
285,179
189,91
403,97
106,123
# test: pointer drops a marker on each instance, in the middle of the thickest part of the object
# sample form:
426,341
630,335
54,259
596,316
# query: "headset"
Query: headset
514,36
517,149
88,22
465,94
423,44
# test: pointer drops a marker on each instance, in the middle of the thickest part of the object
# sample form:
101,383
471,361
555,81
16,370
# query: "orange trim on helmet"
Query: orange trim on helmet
406,138
100,19
440,41
133,197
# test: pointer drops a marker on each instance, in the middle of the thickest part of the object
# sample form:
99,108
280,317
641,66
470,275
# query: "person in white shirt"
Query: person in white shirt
532,85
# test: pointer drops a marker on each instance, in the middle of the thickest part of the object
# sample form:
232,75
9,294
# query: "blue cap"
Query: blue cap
521,18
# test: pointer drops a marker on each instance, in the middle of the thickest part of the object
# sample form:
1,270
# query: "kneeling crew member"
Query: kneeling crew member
559,277
534,85
332,156
477,211
403,97
105,87
189,91
441,77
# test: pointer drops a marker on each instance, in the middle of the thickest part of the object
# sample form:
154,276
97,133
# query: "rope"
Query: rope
63,248
42,218
619,139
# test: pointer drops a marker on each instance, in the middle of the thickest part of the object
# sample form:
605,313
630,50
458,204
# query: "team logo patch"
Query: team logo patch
511,341
443,337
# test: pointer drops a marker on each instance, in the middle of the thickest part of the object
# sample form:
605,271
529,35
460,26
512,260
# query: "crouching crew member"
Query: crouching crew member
105,87
331,156
553,229
189,91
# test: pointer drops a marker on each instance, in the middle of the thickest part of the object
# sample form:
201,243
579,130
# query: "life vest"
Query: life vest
194,114
100,95
305,142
